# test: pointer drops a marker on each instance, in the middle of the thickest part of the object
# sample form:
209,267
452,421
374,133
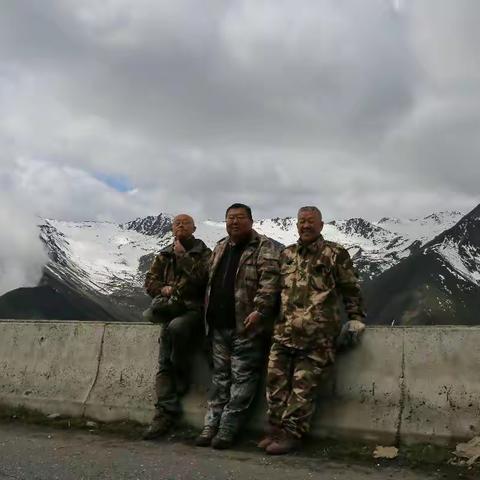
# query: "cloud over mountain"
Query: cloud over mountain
364,108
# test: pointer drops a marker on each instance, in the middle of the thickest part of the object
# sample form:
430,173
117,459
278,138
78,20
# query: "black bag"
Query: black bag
162,309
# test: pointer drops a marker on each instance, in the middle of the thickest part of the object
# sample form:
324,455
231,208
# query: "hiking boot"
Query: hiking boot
206,436
272,433
285,443
223,440
159,427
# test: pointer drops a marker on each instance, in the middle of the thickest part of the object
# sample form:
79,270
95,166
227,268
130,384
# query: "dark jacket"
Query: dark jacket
256,281
187,274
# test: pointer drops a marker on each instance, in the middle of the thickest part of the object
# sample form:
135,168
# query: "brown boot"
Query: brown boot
271,435
285,443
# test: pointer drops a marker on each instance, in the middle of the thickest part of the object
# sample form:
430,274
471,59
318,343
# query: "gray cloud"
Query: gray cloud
21,253
350,105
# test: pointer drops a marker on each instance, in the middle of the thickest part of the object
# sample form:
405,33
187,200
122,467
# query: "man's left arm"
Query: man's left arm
267,294
348,286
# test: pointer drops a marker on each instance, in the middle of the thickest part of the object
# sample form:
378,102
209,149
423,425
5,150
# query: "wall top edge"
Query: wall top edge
369,327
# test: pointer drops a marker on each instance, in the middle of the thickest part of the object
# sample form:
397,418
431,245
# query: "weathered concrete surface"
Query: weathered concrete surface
49,366
401,384
124,387
442,384
41,453
362,395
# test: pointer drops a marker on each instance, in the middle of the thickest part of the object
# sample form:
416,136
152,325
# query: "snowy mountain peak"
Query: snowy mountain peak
475,213
441,217
107,261
390,220
159,225
467,229
358,226
283,223
421,229
459,247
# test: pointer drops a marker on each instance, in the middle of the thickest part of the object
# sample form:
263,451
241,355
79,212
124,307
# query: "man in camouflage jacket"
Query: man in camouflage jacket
315,276
176,281
241,299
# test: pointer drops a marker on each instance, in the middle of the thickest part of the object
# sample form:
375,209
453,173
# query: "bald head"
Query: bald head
183,226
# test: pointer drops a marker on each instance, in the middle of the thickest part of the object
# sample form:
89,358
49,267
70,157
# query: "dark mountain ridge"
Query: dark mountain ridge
438,284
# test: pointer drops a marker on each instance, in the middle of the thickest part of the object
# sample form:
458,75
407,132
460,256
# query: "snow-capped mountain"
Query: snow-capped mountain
459,248
102,259
421,230
375,247
105,263
99,255
159,225
438,284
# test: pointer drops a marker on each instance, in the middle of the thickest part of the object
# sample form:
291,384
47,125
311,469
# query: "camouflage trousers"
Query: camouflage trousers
237,364
292,379
177,341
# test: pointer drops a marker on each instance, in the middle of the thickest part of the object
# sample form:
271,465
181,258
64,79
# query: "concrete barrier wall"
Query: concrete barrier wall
48,366
411,384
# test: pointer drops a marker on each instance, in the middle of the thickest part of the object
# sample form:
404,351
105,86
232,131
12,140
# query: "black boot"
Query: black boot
160,426
223,439
206,436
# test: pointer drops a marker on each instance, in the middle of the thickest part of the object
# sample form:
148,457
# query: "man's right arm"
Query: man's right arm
153,280
266,297
348,285
195,270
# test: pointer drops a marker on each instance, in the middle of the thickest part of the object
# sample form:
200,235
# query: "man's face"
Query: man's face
239,224
183,227
309,226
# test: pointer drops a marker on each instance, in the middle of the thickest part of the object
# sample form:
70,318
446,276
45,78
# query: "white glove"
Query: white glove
350,334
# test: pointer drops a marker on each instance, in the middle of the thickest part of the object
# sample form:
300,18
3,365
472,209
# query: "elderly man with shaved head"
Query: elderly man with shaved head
176,281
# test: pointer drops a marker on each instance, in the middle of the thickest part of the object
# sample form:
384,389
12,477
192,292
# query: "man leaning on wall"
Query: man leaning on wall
176,281
316,275
241,299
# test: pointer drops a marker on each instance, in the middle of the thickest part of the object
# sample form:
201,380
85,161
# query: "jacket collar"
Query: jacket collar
198,247
249,248
313,247
254,239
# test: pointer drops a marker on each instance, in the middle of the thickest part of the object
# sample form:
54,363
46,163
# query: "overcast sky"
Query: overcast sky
115,109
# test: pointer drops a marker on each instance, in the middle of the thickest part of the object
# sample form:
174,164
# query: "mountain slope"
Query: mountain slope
438,284
96,269
101,261
52,300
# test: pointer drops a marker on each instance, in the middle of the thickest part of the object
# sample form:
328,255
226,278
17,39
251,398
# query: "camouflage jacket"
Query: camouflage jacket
256,282
314,278
187,274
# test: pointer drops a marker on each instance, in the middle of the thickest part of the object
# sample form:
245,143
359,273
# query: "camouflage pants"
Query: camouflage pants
237,364
174,360
292,379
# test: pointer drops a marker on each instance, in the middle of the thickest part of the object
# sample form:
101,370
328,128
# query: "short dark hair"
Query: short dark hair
240,205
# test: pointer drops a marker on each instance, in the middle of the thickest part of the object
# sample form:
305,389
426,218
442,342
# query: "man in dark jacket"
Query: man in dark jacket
241,298
176,281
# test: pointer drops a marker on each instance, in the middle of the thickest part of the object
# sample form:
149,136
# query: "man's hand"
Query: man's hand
178,248
252,319
166,291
